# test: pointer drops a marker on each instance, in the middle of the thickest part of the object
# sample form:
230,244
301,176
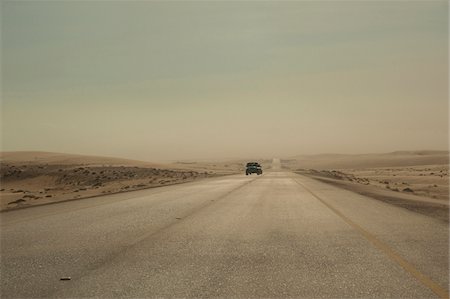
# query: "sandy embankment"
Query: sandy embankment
418,181
34,178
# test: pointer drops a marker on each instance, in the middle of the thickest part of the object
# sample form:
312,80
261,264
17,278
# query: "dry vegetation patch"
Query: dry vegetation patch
423,189
37,183
426,180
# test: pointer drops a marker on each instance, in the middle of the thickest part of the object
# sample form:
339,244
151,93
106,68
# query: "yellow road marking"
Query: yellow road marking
394,256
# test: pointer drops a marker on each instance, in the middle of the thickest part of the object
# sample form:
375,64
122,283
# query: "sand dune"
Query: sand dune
403,178
33,178
34,157
393,159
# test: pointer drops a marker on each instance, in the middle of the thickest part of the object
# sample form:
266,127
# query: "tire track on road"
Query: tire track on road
89,206
135,241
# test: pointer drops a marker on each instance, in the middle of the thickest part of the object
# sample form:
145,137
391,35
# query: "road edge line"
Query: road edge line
386,249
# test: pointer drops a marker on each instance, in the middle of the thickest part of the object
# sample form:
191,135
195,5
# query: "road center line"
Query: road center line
386,249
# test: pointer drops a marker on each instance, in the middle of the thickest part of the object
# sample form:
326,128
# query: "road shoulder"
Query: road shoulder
437,209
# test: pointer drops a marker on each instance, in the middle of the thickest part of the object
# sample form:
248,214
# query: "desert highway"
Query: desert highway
276,235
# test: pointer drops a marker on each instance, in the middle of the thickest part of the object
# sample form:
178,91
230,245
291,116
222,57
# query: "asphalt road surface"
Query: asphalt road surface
275,235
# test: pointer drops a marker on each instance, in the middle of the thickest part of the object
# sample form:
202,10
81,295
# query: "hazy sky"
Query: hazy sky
181,80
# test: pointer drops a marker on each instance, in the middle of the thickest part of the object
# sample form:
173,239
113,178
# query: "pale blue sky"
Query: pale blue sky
175,80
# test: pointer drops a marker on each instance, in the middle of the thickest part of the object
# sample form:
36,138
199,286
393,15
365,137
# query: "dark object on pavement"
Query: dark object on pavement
253,167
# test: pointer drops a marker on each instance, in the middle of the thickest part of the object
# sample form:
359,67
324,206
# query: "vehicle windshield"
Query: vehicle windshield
253,164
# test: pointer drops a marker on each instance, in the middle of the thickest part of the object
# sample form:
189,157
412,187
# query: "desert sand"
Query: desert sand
416,180
35,178
403,178
393,159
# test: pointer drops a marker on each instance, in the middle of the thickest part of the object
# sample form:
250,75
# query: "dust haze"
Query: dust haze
160,81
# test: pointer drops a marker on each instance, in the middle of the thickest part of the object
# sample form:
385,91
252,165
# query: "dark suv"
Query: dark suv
253,167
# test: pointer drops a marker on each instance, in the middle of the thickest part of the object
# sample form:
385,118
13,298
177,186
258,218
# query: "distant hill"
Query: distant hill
34,157
40,158
393,159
